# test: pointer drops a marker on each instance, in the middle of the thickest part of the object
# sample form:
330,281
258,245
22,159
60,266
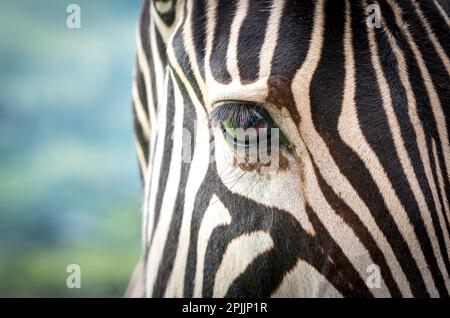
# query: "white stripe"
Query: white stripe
145,69
188,38
163,6
170,195
155,170
141,159
436,106
264,189
216,215
442,12
232,61
437,45
216,91
271,38
158,67
339,230
165,30
199,167
178,70
442,212
350,132
305,281
239,254
140,112
211,12
394,126
440,120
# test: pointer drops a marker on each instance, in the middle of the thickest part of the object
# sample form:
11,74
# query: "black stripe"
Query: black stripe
292,243
183,59
360,230
266,272
171,244
295,33
167,155
169,16
199,33
397,178
161,46
144,23
138,129
251,39
326,101
202,200
218,60
142,92
370,114
445,5
436,21
439,75
441,82
441,198
139,133
144,29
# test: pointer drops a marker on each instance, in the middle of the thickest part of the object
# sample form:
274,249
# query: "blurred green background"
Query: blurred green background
70,189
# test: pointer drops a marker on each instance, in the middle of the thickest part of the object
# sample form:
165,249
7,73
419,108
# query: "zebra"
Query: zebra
362,185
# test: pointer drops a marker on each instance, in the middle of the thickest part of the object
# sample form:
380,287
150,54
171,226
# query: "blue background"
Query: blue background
69,190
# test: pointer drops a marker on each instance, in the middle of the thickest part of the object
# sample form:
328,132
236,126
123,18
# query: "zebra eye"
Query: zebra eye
249,134
245,125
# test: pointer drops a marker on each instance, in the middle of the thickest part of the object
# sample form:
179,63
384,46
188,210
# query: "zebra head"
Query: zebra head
293,148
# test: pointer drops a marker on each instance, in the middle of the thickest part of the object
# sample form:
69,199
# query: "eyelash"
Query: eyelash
238,114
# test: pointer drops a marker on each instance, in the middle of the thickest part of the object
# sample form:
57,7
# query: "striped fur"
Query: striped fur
367,110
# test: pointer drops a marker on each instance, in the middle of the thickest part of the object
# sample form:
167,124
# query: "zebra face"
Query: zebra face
291,147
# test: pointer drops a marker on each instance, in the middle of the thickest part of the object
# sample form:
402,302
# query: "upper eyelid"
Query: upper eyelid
226,101
233,113
260,105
